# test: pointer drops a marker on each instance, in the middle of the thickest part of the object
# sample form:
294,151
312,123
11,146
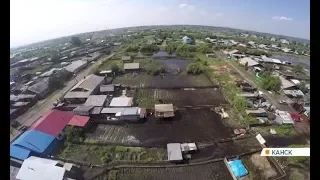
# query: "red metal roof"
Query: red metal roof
53,123
80,121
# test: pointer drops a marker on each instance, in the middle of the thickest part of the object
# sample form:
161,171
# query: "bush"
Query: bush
74,134
149,48
155,69
114,67
204,48
271,83
194,68
132,48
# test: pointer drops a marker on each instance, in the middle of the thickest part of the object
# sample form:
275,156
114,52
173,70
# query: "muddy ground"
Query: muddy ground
166,81
181,97
213,171
174,65
189,125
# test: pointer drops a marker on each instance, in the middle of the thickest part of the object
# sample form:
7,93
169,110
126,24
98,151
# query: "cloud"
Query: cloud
219,14
187,7
282,18
183,5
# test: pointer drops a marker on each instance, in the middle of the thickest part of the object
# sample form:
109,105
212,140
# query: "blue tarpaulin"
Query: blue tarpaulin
238,168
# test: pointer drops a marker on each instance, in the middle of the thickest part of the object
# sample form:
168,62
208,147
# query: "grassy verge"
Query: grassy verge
106,154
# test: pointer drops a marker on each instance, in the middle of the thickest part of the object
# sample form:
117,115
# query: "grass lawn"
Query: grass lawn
41,69
106,154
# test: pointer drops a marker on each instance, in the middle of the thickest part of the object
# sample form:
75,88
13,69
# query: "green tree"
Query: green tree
271,83
74,134
55,57
298,67
204,48
194,68
75,40
115,68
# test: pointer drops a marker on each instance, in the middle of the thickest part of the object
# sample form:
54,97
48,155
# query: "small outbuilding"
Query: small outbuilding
164,110
257,112
131,67
83,110
122,101
107,89
174,152
126,59
96,100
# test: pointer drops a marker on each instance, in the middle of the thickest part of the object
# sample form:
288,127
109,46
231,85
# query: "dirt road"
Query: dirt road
300,127
34,113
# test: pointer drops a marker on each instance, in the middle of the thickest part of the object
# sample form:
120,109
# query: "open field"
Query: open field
180,97
167,81
213,171
190,125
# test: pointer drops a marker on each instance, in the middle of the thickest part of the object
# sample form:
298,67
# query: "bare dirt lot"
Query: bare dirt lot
189,125
213,171
166,81
180,97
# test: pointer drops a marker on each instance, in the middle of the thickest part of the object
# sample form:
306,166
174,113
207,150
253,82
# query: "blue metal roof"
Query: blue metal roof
19,152
34,141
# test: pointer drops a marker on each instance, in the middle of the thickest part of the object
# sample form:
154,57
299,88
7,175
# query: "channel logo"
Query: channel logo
285,152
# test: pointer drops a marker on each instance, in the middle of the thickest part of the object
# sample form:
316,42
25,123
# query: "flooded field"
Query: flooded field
180,97
174,65
277,141
293,60
191,125
213,171
167,81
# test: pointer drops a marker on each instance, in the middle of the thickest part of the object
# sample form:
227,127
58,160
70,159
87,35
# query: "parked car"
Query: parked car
296,117
283,102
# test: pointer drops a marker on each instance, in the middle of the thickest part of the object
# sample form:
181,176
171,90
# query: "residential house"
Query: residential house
251,64
286,84
83,110
187,40
284,41
41,88
76,66
273,39
164,110
286,50
83,89
283,117
96,100
131,114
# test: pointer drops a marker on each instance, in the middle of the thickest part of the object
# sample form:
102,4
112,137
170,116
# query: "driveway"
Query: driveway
34,113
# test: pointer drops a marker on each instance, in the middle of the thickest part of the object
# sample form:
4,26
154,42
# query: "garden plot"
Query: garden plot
213,171
180,97
166,81
189,125
174,66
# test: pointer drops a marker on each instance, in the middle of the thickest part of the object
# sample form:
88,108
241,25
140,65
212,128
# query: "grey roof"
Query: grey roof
248,60
40,86
107,88
163,107
174,152
131,66
122,101
12,110
89,83
82,108
75,65
77,94
130,111
286,83
258,111
111,110
21,96
96,110
19,104
126,58
96,100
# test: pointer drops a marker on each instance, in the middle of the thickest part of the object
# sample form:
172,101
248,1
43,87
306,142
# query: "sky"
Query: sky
36,20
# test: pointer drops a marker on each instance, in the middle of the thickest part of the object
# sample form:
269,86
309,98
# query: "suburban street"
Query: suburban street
301,127
34,113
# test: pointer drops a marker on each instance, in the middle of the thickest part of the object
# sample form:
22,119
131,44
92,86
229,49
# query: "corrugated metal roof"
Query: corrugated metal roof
107,88
96,100
89,83
40,86
31,140
19,152
19,104
53,122
122,101
163,107
82,109
111,110
39,170
248,60
75,65
126,58
174,152
80,121
285,83
96,110
130,111
77,94
128,66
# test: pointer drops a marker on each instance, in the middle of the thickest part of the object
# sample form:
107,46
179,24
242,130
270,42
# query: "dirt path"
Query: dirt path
300,127
34,113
